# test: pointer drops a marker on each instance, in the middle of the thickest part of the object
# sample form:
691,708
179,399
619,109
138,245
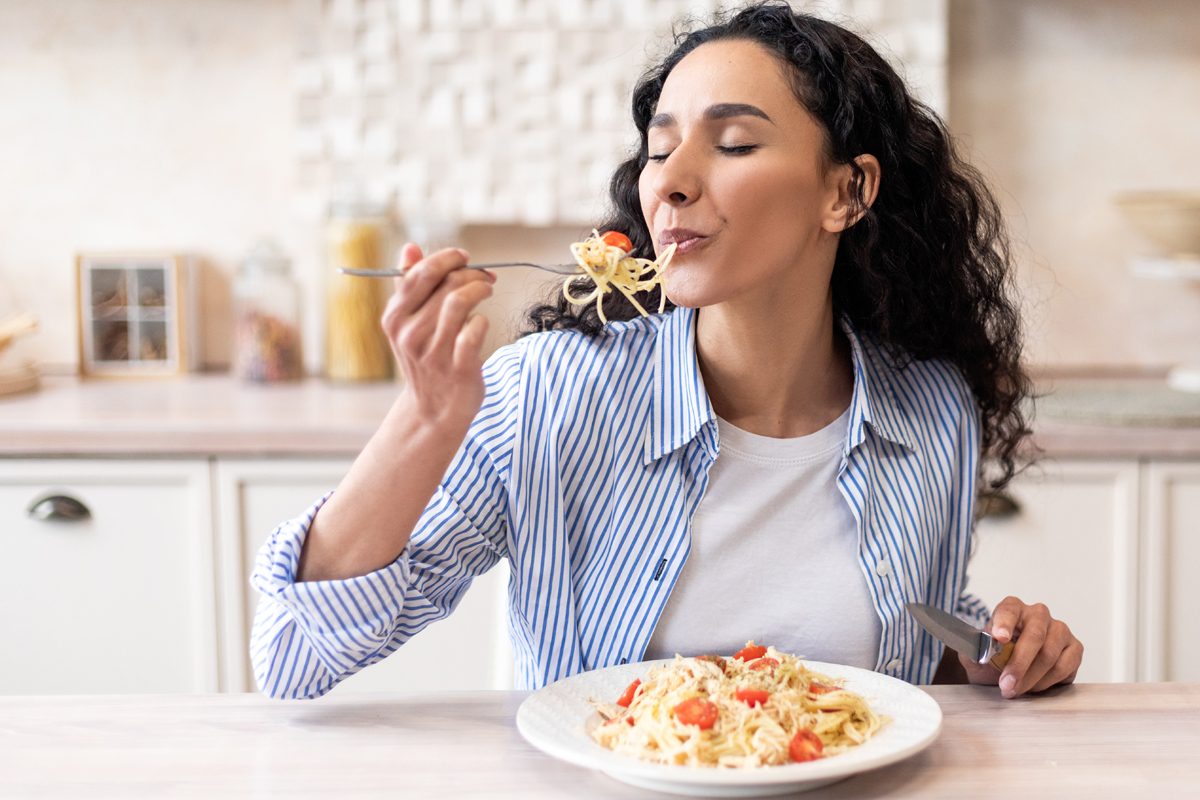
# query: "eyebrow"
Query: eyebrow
713,112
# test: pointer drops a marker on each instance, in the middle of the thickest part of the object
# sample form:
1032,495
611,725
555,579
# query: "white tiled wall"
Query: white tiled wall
510,111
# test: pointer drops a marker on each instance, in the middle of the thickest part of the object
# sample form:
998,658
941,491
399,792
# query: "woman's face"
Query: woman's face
737,179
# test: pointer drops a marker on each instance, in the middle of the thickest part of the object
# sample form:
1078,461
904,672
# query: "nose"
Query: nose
677,183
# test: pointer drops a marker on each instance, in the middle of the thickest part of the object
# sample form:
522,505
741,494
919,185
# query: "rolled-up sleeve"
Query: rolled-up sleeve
309,636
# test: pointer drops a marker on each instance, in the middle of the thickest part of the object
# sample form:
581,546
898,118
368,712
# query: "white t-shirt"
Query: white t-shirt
774,556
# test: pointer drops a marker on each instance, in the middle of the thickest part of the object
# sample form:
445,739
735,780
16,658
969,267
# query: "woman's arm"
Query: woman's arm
437,340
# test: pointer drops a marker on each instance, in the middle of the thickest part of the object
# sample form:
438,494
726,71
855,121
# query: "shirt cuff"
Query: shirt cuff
346,622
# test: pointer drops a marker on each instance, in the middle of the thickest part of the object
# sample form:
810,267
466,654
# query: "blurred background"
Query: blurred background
253,145
205,125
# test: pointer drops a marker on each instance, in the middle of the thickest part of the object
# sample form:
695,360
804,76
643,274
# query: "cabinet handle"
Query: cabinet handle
996,505
59,508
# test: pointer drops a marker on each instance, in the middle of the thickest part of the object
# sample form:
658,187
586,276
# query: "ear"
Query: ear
839,214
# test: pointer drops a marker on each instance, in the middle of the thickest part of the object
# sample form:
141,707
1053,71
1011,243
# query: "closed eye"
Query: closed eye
738,150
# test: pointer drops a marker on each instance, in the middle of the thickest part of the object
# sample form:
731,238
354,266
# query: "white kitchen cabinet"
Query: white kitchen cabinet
1170,593
1073,545
468,650
121,602
151,593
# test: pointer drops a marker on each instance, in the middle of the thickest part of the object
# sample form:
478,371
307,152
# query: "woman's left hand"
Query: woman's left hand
1046,653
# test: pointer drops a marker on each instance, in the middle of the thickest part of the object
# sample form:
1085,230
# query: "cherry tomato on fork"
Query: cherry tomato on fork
630,691
751,653
805,746
617,239
697,711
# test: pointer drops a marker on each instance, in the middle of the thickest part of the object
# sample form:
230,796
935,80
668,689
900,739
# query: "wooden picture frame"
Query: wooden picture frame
135,314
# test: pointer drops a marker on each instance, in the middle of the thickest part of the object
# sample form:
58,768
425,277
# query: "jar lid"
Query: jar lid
266,256
352,208
351,200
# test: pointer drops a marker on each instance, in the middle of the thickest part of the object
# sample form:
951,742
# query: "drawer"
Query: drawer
120,602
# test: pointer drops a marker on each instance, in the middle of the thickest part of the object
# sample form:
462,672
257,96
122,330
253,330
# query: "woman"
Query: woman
789,454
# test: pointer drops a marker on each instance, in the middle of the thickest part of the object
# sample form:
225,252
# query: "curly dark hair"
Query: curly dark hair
926,269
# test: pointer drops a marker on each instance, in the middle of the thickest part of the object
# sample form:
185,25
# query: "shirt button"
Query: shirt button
894,664
883,568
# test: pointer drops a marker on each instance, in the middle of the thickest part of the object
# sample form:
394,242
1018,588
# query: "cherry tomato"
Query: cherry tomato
820,688
697,711
720,662
617,239
805,746
763,663
630,691
752,697
751,653
629,720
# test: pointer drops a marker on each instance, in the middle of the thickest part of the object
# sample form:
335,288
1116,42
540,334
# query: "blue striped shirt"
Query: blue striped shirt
583,468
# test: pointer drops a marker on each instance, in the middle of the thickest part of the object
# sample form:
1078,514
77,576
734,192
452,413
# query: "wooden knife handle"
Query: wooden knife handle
1000,659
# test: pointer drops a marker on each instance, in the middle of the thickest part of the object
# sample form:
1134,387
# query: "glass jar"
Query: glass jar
266,308
359,235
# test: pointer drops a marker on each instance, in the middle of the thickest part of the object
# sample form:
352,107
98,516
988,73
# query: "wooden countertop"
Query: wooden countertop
219,415
1086,741
205,414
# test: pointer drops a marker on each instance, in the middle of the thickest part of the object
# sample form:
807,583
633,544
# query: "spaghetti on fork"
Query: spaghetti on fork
605,259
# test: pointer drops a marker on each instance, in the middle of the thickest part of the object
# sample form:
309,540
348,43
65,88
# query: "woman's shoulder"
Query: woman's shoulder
929,390
617,346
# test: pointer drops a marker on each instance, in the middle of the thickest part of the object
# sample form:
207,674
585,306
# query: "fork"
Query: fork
558,269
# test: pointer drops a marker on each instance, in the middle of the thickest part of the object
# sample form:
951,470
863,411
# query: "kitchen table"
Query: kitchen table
1098,740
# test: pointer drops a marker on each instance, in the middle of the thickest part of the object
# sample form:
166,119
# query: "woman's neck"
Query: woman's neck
780,369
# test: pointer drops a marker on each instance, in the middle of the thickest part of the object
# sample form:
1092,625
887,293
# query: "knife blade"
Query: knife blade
951,631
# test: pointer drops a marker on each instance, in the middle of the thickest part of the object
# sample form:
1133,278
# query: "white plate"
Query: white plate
556,719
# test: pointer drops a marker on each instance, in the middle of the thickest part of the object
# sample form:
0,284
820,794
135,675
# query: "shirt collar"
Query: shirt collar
681,407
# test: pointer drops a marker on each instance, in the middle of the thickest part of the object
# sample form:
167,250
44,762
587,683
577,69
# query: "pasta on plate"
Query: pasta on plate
759,708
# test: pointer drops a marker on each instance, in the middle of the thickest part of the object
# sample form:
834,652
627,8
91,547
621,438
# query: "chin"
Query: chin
687,289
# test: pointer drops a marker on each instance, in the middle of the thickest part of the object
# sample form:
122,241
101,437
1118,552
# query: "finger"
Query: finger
1052,648
418,330
1005,618
1034,623
410,254
457,306
468,345
421,280
1065,669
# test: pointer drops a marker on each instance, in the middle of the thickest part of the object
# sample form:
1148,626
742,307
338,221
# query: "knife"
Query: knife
951,631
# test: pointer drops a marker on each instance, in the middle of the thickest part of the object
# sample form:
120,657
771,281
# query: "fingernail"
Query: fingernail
1000,633
1007,684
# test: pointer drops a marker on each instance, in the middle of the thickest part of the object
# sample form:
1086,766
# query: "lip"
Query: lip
685,240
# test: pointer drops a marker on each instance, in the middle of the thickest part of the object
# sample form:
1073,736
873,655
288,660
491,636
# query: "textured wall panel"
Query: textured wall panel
510,111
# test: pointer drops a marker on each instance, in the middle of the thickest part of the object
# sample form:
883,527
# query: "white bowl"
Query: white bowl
1169,219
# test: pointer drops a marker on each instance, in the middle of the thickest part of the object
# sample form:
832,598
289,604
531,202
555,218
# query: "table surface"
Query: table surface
1086,741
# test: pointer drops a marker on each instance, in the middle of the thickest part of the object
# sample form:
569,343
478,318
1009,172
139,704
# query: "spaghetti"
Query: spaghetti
759,708
356,348
606,260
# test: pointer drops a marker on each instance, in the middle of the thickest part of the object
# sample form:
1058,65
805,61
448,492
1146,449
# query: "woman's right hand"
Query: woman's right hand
438,339
437,336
